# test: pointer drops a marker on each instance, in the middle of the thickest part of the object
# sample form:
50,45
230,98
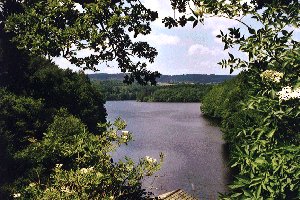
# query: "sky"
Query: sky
182,50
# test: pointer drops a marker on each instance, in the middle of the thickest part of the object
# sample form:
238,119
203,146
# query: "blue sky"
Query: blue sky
184,50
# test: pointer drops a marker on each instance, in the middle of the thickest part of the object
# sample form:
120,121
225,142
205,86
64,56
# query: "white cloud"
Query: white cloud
64,63
215,24
163,8
200,50
160,39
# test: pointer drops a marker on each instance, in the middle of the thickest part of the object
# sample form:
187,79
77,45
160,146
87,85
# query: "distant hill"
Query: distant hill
185,78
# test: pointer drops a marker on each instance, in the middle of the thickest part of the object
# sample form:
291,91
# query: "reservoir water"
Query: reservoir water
195,158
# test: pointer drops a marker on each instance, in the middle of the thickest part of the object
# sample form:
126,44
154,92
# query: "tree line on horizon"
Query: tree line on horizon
184,78
117,90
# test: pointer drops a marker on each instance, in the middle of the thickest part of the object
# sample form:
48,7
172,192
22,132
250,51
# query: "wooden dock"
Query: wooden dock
176,195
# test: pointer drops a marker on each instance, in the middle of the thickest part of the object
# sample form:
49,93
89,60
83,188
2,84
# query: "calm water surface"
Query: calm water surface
193,148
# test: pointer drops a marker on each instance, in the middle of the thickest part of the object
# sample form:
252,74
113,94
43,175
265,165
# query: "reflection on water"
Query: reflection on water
195,154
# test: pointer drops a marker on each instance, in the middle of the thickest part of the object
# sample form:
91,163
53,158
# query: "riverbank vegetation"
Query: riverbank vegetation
45,149
260,109
55,142
117,90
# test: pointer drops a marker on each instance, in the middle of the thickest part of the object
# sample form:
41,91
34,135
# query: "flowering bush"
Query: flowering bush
71,163
288,93
265,145
271,75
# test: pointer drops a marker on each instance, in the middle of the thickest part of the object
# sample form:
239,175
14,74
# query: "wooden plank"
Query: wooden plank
176,195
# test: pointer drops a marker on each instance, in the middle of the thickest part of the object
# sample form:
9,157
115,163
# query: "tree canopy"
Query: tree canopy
87,33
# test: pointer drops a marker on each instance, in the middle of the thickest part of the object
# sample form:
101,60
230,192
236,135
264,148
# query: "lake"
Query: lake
195,156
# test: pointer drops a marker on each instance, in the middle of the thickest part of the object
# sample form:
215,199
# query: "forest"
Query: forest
171,79
117,90
55,142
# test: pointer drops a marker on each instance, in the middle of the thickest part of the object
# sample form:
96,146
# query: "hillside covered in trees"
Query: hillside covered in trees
117,90
185,78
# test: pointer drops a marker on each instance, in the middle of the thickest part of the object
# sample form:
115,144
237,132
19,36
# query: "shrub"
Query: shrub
22,120
71,163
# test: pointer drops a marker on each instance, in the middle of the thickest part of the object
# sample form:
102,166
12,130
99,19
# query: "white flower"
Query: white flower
86,170
271,75
16,195
225,2
296,93
129,167
78,7
58,165
125,135
150,160
65,189
288,93
113,134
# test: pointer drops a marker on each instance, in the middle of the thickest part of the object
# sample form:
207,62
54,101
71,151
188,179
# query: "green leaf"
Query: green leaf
235,186
260,161
271,133
191,18
247,194
273,94
236,195
258,191
195,23
251,30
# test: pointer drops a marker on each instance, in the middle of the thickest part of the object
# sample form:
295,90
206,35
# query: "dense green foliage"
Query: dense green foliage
224,98
116,90
171,79
71,163
177,93
74,91
21,120
262,128
24,118
59,88
14,70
